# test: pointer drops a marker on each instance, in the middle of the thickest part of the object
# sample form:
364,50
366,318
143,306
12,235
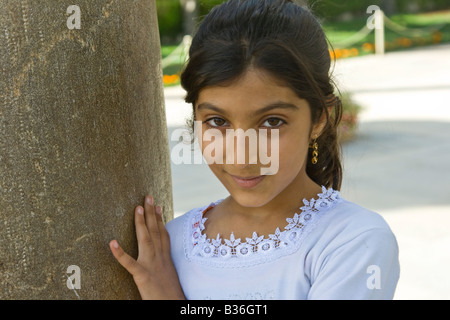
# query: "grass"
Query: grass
340,31
166,50
415,30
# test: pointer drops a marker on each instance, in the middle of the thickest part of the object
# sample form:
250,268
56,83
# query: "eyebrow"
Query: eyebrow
272,106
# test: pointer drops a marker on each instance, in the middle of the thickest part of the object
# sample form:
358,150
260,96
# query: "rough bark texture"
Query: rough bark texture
83,140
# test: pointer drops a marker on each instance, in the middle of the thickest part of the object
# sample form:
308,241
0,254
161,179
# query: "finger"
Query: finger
164,235
143,237
124,259
152,224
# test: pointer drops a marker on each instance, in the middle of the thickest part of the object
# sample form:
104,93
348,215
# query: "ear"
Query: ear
318,127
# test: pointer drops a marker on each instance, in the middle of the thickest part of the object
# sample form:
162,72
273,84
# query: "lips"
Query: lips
248,182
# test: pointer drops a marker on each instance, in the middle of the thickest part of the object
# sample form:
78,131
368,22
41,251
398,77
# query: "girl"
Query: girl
264,64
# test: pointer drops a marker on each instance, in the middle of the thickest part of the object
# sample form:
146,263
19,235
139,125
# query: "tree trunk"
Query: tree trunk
83,140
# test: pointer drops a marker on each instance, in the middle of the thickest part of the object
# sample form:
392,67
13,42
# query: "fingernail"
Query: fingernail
139,210
158,209
115,244
150,200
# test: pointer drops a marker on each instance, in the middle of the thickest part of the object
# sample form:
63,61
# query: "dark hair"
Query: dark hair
279,37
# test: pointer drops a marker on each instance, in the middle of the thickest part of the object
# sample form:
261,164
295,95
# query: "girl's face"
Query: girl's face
257,101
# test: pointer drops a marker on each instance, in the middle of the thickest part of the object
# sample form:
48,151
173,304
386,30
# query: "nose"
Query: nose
241,147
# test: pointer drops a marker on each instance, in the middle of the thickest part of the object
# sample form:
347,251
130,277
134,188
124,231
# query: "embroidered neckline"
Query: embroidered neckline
234,252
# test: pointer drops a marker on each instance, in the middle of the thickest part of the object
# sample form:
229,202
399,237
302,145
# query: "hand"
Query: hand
153,271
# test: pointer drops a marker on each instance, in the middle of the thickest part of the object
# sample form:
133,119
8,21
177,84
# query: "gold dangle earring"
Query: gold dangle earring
315,153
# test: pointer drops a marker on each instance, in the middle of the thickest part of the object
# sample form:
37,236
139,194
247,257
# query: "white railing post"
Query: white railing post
379,32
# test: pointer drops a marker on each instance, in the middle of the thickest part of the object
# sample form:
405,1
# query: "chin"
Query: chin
250,199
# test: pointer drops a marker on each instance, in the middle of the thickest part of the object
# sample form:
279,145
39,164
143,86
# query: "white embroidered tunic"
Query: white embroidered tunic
330,249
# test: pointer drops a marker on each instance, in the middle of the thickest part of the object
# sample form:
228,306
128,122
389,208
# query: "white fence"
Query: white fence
377,22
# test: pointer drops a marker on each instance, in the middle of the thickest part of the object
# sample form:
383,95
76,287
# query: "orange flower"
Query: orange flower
332,54
405,42
170,79
368,47
437,37
354,52
336,54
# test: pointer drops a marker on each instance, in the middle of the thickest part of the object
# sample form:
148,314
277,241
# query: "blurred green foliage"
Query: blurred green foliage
170,17
170,20
332,10
170,12
207,5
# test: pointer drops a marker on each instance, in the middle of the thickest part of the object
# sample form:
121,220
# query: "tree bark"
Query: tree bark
83,140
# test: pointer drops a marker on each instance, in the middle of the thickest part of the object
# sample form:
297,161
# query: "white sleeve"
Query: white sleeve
360,268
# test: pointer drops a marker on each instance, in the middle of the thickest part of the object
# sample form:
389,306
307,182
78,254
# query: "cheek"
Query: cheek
293,153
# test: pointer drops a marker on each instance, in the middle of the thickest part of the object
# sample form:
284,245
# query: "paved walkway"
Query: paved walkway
398,165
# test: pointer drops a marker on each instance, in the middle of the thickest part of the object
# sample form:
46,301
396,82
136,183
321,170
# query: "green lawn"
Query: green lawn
166,50
407,30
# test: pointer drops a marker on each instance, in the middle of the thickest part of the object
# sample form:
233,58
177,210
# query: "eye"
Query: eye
273,123
215,122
